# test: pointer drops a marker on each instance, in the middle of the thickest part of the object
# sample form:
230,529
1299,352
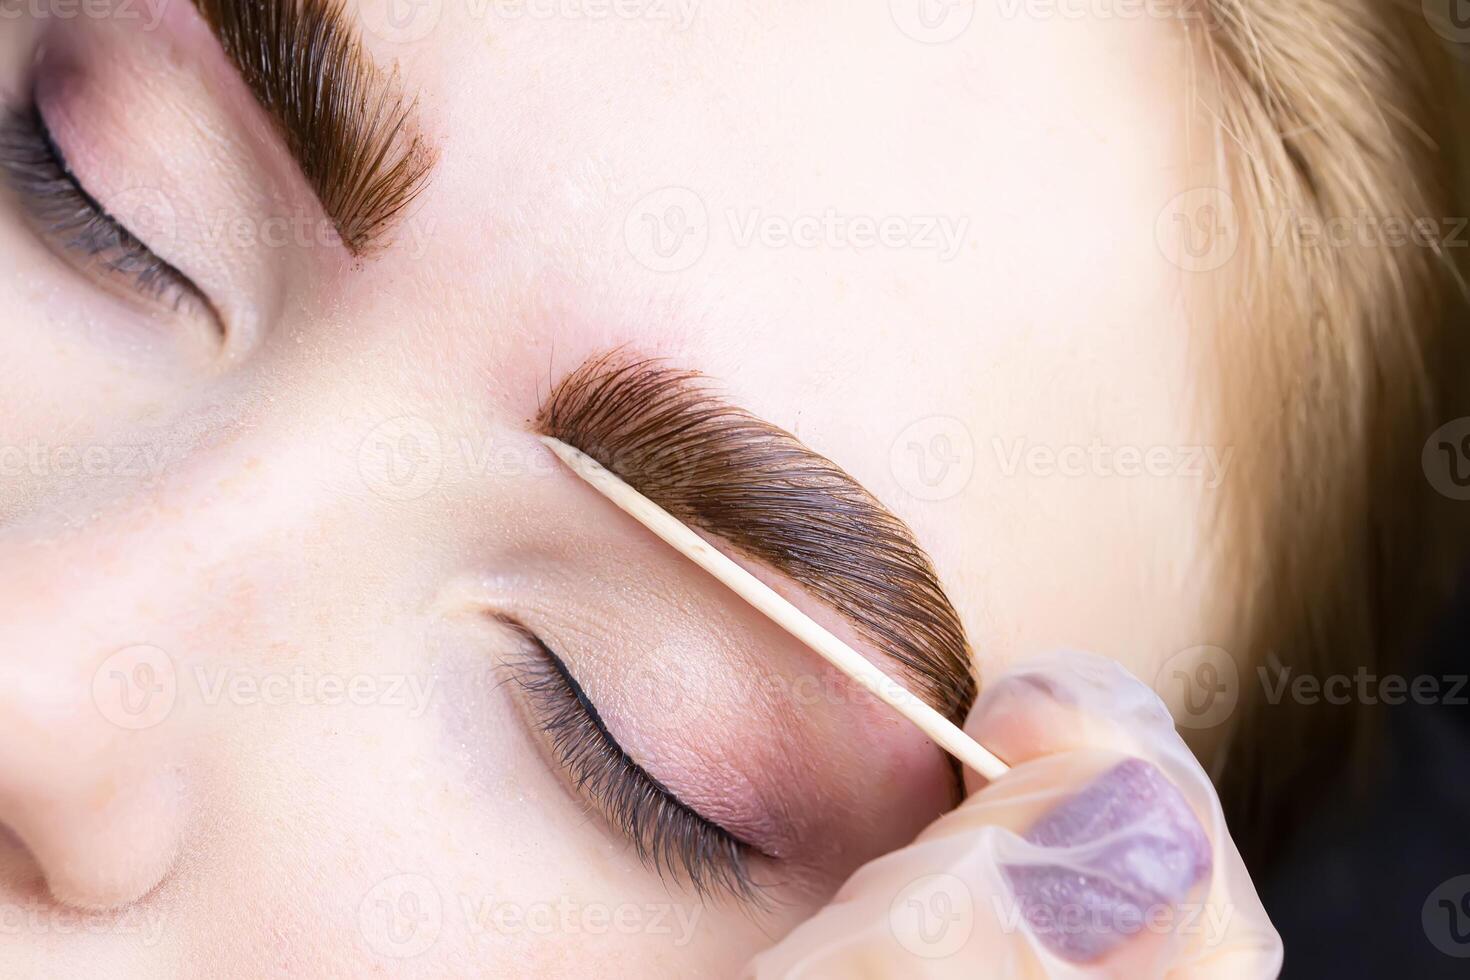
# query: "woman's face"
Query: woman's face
317,663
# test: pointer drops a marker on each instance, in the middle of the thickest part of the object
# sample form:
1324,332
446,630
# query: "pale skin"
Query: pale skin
255,510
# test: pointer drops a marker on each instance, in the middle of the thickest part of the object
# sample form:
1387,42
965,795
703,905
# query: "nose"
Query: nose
92,763
122,607
103,620
122,621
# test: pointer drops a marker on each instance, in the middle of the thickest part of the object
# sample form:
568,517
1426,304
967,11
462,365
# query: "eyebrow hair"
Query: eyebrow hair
344,120
757,487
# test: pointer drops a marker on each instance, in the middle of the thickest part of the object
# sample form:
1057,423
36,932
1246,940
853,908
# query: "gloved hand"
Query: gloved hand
1103,853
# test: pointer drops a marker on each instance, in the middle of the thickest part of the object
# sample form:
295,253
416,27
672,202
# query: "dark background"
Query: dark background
1349,900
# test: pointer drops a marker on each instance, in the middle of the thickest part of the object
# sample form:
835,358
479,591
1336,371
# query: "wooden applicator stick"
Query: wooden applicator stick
778,610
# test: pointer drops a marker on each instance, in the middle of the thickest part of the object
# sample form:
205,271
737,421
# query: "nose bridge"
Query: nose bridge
158,558
72,624
97,624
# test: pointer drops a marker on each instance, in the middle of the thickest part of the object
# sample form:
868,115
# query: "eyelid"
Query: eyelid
78,226
670,835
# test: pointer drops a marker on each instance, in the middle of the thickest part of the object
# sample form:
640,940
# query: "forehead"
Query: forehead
919,257
808,138
794,180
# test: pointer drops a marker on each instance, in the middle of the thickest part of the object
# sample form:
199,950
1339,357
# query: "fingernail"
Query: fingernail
1128,844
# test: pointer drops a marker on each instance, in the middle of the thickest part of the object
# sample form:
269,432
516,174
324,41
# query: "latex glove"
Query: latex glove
1103,853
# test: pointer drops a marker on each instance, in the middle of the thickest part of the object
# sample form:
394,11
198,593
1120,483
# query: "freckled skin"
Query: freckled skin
333,502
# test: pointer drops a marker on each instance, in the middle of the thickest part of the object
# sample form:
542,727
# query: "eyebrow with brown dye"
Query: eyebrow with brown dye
344,119
759,489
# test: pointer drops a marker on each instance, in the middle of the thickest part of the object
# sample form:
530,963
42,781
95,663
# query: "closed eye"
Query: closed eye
670,836
75,224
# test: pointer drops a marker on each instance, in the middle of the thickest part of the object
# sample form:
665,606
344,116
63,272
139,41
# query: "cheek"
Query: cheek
503,871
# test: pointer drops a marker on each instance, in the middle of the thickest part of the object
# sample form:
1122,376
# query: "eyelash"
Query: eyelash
69,216
670,836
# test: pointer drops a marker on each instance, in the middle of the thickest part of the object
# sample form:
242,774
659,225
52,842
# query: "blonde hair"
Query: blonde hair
1340,322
